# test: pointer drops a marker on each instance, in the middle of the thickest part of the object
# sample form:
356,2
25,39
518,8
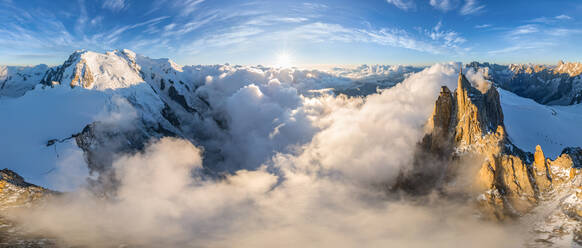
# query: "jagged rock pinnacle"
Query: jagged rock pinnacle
470,122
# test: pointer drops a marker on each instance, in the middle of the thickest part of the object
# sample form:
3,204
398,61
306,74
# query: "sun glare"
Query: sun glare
284,59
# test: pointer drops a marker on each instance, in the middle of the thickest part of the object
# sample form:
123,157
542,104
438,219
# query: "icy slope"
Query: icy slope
530,123
30,121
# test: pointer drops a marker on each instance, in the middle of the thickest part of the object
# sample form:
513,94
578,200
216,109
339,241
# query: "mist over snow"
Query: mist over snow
48,115
305,170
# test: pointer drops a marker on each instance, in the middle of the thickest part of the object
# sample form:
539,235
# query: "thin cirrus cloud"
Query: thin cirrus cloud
444,5
219,33
448,38
520,46
403,4
471,7
189,6
467,7
540,34
550,20
524,29
563,17
435,42
114,5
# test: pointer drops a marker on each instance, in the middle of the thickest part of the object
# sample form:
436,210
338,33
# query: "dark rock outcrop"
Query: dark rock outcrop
14,191
55,75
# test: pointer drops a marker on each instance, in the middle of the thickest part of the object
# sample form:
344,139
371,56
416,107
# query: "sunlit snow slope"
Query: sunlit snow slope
552,127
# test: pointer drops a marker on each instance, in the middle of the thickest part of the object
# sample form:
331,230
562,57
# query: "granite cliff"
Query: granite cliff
466,151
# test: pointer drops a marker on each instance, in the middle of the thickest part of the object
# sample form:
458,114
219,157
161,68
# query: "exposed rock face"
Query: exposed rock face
55,75
14,191
542,172
477,114
442,119
467,125
102,143
82,75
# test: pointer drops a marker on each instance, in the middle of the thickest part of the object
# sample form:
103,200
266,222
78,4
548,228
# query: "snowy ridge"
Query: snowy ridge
16,80
111,70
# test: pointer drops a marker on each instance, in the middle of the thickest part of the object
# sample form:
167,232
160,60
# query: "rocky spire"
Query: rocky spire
477,113
468,125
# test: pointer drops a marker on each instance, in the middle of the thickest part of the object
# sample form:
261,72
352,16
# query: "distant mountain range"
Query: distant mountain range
551,85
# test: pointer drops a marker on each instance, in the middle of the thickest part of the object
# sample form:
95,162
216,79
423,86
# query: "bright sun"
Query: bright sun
284,59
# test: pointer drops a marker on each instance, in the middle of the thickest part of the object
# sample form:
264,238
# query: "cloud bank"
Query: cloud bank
321,193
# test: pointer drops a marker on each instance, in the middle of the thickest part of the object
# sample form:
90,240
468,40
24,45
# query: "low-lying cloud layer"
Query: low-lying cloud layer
320,191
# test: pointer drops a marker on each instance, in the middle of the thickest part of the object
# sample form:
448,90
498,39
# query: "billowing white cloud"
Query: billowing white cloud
324,192
376,137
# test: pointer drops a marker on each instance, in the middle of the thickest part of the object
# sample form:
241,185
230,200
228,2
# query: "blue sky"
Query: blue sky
310,32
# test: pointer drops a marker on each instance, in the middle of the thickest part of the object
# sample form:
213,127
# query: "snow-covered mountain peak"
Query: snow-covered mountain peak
129,53
165,64
571,68
99,71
